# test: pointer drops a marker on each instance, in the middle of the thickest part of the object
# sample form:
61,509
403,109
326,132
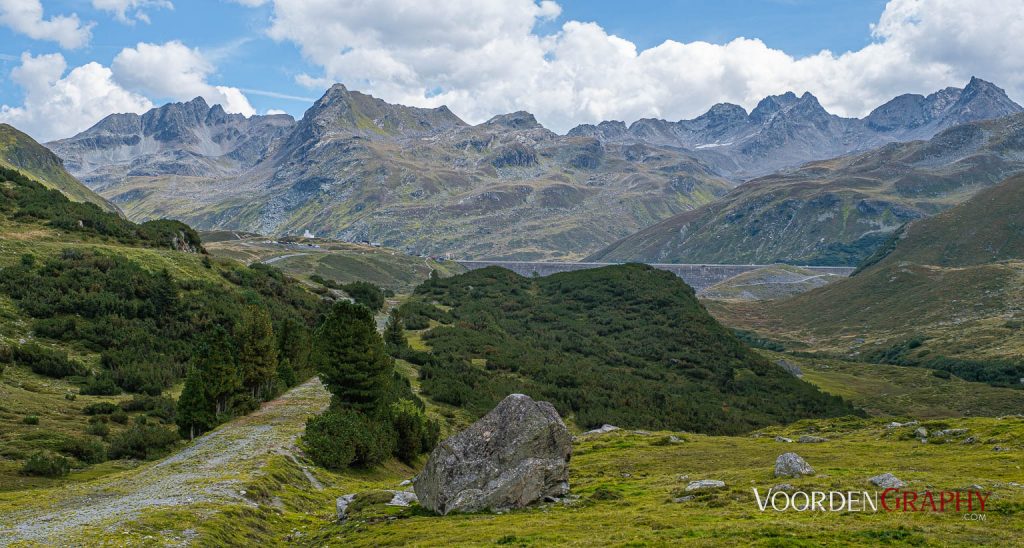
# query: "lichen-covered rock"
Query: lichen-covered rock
791,465
887,481
515,455
811,439
701,485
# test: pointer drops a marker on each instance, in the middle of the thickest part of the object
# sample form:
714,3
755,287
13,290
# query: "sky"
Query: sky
65,64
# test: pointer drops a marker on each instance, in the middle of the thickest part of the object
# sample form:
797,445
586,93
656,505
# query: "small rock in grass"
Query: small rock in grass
687,498
791,465
811,439
921,432
783,487
783,439
705,484
402,498
603,430
887,481
342,506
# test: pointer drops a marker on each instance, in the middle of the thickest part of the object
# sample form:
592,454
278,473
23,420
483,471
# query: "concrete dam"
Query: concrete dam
698,276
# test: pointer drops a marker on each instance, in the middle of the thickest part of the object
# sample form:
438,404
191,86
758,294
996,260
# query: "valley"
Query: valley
220,329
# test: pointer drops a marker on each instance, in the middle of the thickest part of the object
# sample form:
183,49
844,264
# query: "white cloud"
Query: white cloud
271,111
175,71
26,17
58,105
251,3
483,57
130,11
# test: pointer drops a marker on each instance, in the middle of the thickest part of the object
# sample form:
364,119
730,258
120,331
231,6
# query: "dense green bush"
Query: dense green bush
160,407
30,419
89,451
142,441
98,428
100,408
628,345
46,465
339,438
101,385
44,361
366,294
416,315
414,433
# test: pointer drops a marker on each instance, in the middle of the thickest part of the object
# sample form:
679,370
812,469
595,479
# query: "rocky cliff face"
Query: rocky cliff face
179,139
835,212
787,130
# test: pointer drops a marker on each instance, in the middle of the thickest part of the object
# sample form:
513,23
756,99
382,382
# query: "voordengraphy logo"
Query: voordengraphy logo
889,500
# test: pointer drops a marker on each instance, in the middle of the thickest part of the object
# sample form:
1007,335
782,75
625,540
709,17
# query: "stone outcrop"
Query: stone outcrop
515,455
791,465
887,481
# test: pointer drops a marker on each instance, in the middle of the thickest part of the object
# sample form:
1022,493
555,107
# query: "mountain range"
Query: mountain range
837,211
422,180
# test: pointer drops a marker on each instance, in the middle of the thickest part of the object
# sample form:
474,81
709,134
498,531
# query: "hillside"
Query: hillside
21,152
628,345
835,212
341,262
102,319
948,295
768,283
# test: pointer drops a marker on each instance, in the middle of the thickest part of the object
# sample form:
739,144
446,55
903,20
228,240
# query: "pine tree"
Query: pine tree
351,358
394,332
294,345
194,414
257,350
218,370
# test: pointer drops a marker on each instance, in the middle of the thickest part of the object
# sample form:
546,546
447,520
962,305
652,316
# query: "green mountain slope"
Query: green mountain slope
627,345
21,152
949,294
834,212
100,321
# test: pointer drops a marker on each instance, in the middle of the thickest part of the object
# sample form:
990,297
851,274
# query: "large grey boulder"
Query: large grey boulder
791,465
515,455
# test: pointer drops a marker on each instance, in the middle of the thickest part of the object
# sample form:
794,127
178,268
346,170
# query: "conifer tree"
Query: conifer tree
351,358
194,414
218,370
394,332
294,345
257,351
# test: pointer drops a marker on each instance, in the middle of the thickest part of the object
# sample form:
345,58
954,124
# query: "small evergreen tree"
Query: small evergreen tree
394,332
351,358
194,411
257,351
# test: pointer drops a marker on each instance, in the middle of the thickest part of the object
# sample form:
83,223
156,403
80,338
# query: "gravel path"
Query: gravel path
207,470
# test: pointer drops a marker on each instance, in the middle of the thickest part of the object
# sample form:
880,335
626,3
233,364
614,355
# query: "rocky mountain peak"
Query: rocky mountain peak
515,120
771,105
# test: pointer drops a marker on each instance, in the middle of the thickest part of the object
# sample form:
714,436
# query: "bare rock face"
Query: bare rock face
513,456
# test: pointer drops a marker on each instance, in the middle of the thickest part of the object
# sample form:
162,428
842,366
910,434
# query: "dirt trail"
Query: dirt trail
210,469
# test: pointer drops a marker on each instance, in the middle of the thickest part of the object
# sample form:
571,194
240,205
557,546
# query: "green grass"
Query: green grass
282,508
